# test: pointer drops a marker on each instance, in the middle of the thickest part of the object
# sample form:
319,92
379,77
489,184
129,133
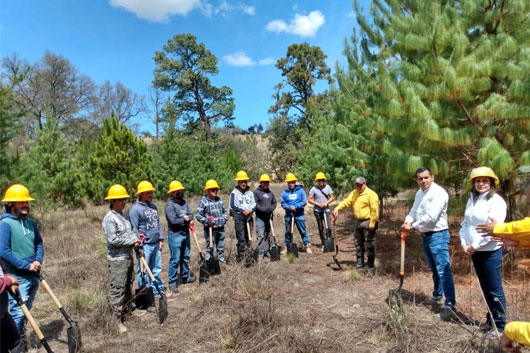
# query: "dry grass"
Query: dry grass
302,305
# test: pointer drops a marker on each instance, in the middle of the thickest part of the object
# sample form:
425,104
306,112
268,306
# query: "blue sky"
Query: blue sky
115,40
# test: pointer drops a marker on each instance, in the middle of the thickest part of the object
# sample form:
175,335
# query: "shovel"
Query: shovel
329,243
253,254
292,248
394,295
73,332
16,295
336,244
212,264
162,303
203,271
143,297
274,250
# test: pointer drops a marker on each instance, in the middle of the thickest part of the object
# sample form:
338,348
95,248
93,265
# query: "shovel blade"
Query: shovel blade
203,273
144,298
275,252
292,248
162,309
74,338
329,244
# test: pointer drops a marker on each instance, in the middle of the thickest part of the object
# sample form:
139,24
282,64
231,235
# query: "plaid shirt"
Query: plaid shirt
212,208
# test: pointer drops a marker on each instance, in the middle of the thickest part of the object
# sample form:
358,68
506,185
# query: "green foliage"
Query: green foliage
8,129
118,157
183,67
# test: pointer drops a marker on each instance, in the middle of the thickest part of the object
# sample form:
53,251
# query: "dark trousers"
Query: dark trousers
319,215
9,336
488,265
243,239
364,241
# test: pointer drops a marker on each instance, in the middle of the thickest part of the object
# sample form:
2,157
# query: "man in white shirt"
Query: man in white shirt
429,216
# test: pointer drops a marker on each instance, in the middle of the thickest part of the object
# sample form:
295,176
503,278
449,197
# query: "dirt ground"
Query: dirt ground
305,306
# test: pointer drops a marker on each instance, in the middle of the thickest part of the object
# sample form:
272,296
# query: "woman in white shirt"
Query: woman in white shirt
484,205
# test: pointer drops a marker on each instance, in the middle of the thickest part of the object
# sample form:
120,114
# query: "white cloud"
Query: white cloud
266,61
249,10
225,8
157,10
350,14
239,58
301,25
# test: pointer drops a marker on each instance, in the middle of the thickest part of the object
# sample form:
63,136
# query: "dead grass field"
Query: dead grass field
306,306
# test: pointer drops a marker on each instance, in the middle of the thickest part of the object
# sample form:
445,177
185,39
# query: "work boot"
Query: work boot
308,249
434,301
360,262
448,314
174,289
370,262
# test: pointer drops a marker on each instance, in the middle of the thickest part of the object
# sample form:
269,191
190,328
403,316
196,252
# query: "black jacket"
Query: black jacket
265,203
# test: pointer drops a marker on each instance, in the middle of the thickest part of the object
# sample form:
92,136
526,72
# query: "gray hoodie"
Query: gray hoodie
144,219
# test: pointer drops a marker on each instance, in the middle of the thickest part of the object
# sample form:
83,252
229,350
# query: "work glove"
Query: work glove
210,221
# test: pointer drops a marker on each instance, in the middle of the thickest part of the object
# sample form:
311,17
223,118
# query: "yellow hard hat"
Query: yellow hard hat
211,184
17,192
290,177
175,185
320,176
117,191
483,172
241,175
144,186
264,177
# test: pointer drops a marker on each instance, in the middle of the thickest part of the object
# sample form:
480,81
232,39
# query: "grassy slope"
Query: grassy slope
307,306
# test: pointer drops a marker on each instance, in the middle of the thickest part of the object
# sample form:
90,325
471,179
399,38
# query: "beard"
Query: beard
21,212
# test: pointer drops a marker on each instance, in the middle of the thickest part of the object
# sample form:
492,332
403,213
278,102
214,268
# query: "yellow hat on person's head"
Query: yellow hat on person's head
264,177
144,186
320,176
117,191
175,185
241,175
290,177
16,193
483,172
211,184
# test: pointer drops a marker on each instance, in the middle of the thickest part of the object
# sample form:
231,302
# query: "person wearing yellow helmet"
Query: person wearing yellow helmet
121,239
293,202
485,204
148,227
179,218
242,206
265,206
21,250
211,212
320,196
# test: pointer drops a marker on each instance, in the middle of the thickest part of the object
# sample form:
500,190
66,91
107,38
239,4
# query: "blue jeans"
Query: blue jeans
179,247
153,258
263,236
299,220
28,286
436,248
488,265
218,235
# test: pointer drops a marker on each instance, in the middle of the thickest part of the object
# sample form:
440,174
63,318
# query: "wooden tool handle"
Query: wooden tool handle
272,229
248,231
326,221
196,241
32,321
147,269
292,225
402,264
211,239
52,295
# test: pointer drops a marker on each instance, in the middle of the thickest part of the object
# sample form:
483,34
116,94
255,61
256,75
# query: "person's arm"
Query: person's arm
411,217
518,331
189,213
374,209
285,202
171,215
224,214
311,197
347,202
6,280
200,214
331,197
233,206
39,246
464,230
302,201
516,230
6,254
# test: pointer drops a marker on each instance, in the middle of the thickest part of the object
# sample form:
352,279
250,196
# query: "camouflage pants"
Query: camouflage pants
121,281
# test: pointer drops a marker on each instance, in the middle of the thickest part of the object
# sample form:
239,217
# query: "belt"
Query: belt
426,234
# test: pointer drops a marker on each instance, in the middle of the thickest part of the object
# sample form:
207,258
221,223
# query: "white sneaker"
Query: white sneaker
308,249
122,328
322,248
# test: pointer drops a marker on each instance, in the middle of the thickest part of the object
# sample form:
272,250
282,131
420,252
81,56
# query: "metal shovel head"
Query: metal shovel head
203,273
251,257
144,298
275,252
74,338
162,309
213,267
292,248
329,244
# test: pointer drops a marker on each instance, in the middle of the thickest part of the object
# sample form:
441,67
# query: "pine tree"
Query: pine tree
443,84
9,116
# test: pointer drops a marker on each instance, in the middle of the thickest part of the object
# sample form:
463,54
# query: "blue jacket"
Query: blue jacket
296,198
6,254
144,219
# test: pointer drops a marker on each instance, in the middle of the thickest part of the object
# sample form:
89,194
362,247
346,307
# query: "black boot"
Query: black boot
370,262
360,262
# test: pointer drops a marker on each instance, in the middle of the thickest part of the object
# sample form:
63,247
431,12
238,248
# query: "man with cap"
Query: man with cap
265,206
21,250
146,223
179,217
121,239
242,206
364,203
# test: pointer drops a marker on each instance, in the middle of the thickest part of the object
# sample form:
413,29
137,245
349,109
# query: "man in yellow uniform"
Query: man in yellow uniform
365,206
